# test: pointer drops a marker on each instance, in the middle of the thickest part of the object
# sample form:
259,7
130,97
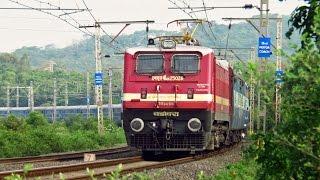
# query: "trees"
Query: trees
303,19
292,150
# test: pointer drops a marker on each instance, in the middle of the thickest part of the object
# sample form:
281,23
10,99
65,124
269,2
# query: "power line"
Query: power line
51,14
65,13
95,20
35,18
174,3
86,31
43,9
29,29
204,6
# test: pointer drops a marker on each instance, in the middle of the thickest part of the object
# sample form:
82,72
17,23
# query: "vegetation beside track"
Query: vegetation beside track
35,136
291,150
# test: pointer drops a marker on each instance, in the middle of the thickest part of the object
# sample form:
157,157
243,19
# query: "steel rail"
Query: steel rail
105,167
63,156
147,165
71,168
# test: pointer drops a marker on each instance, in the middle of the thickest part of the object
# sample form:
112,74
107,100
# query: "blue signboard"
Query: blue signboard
98,78
264,50
279,76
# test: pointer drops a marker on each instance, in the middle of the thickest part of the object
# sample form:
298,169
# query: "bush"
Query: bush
39,137
37,119
13,123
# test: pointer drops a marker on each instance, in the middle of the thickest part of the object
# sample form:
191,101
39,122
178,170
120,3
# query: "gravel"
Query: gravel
209,166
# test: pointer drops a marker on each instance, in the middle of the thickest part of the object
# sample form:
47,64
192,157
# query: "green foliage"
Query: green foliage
91,174
292,150
14,177
115,175
245,169
304,18
36,119
13,123
42,138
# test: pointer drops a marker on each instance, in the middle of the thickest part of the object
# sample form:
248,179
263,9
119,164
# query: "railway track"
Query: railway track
64,156
104,167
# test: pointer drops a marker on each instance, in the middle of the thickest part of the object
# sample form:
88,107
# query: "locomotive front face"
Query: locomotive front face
167,100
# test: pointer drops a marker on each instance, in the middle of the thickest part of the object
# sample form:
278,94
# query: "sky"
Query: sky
20,28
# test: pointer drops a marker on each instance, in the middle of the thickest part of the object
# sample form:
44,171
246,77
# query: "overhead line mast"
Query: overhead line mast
279,72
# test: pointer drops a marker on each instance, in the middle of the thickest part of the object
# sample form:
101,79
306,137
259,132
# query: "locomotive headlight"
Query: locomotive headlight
194,124
168,44
137,124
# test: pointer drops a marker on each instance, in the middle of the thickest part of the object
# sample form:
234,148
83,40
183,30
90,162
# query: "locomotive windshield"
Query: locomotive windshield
150,64
185,64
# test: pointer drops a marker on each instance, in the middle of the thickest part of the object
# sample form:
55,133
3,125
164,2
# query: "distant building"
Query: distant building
48,66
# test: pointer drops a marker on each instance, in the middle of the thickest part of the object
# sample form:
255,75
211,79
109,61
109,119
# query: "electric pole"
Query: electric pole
252,99
110,94
279,71
54,100
98,78
88,94
264,21
98,87
8,100
31,94
66,96
17,97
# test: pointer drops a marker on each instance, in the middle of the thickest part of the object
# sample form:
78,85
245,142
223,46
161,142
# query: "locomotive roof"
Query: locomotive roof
183,48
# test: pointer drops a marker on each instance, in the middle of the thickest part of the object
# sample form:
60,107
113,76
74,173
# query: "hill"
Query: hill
79,56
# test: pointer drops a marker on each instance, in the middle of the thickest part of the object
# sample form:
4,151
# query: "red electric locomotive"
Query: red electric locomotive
177,96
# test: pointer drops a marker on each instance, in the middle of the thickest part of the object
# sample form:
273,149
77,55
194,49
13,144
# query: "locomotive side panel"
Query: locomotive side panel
240,104
221,94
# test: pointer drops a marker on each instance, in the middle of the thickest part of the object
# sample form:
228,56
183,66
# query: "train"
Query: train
178,96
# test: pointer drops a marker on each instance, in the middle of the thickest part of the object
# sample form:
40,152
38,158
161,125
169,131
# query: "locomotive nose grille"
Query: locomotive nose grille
176,141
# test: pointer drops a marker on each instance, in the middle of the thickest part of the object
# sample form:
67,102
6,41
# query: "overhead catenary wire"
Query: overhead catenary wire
204,6
75,24
65,13
37,30
51,14
97,23
183,10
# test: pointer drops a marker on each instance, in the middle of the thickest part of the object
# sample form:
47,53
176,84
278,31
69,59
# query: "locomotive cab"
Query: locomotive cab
167,97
